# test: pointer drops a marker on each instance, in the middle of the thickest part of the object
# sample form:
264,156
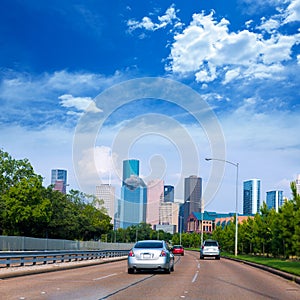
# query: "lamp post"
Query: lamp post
180,217
202,212
236,199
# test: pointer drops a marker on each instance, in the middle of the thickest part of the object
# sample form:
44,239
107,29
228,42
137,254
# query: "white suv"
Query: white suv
210,248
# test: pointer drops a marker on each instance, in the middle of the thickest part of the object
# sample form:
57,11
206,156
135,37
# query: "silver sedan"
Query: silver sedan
150,255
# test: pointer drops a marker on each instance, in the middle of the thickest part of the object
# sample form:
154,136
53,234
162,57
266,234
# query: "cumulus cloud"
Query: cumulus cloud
293,11
80,103
206,48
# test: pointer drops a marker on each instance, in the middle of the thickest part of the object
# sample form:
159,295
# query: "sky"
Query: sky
87,84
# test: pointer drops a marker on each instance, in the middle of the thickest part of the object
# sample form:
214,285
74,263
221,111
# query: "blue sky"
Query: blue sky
74,92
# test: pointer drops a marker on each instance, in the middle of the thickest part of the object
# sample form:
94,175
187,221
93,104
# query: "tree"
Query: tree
25,209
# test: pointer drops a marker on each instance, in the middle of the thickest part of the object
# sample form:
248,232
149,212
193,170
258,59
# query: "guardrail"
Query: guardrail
9,259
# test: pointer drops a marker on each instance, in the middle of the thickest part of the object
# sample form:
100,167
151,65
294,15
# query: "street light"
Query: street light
236,199
180,217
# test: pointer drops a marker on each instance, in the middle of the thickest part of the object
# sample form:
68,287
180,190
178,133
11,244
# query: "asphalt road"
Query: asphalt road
192,279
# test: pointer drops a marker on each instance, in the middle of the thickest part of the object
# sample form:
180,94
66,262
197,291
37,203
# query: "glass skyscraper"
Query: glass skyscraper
251,196
130,167
133,206
133,202
168,193
192,197
274,199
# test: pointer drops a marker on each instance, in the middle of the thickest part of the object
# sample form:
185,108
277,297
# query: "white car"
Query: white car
210,248
150,255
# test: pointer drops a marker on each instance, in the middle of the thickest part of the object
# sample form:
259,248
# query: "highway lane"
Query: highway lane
192,279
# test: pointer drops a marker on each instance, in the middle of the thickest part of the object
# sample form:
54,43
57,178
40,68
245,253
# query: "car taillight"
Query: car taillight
131,253
202,247
163,253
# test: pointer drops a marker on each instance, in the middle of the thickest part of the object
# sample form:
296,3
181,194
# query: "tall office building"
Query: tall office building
168,214
155,195
130,167
168,193
192,197
106,192
298,184
251,196
274,199
133,202
59,180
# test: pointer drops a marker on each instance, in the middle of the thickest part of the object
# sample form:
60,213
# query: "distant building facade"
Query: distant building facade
274,199
155,196
208,222
251,196
131,167
298,184
106,192
192,197
133,203
168,193
168,214
59,180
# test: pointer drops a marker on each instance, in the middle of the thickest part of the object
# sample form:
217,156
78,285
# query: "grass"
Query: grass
286,265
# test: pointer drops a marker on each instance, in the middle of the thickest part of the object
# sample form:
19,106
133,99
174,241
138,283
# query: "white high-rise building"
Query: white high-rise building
106,192
298,184
168,213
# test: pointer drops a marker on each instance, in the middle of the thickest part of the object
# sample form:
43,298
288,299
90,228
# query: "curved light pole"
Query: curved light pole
236,199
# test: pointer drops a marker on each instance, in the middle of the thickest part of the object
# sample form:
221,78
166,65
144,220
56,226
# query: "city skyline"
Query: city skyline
85,85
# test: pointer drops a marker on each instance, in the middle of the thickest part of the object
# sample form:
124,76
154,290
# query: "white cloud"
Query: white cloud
163,21
293,11
206,48
231,74
85,104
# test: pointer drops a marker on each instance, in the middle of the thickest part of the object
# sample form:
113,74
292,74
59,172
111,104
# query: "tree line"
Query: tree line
268,233
27,208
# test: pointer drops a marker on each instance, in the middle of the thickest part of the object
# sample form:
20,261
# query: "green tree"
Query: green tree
25,209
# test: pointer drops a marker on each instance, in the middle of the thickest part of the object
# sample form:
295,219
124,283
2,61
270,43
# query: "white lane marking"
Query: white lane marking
99,278
195,277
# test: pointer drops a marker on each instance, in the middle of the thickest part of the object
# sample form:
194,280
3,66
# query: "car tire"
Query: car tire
130,271
218,257
201,257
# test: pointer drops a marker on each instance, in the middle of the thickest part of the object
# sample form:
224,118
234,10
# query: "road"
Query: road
192,279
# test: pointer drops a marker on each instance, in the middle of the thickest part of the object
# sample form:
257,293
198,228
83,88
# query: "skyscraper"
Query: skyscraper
130,167
59,180
155,196
168,193
298,184
192,196
251,196
274,199
133,202
106,192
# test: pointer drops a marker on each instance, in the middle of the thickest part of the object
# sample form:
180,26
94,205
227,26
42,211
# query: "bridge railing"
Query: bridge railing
27,258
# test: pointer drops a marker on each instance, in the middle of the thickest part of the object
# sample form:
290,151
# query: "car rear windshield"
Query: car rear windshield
177,247
210,243
149,245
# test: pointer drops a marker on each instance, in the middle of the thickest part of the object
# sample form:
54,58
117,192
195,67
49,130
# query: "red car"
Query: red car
178,249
